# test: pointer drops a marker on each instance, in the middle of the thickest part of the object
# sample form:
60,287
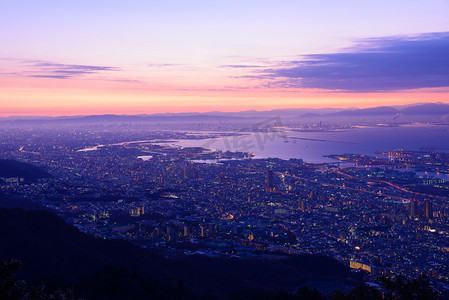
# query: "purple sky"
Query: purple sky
64,57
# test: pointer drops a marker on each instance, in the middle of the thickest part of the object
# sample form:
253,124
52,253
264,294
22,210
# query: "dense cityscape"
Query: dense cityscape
224,150
379,215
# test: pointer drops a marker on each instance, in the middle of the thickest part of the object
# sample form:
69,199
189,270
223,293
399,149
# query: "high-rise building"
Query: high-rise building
303,205
429,210
413,208
186,230
269,181
186,171
137,211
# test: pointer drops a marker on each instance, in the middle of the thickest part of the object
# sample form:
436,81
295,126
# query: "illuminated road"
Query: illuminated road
398,187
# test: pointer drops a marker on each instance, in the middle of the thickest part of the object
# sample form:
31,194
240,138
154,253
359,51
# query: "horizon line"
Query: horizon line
215,111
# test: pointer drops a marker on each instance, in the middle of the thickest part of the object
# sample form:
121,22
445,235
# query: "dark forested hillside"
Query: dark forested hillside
56,253
13,168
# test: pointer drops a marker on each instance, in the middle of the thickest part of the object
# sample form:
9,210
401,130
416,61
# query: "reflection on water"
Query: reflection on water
312,146
90,148
145,157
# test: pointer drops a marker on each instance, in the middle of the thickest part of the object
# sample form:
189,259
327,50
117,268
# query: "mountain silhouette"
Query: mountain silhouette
56,253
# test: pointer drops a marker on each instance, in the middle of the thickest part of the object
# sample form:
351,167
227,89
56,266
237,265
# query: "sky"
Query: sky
143,56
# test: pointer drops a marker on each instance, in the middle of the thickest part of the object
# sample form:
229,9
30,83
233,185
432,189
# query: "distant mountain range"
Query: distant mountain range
366,112
416,110
427,110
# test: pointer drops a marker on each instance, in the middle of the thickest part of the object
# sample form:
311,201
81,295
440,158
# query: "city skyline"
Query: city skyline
145,57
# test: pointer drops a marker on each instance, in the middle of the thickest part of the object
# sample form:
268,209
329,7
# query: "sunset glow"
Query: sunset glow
145,57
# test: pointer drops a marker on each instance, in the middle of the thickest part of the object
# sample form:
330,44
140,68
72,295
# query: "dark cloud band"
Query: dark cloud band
375,65
64,71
